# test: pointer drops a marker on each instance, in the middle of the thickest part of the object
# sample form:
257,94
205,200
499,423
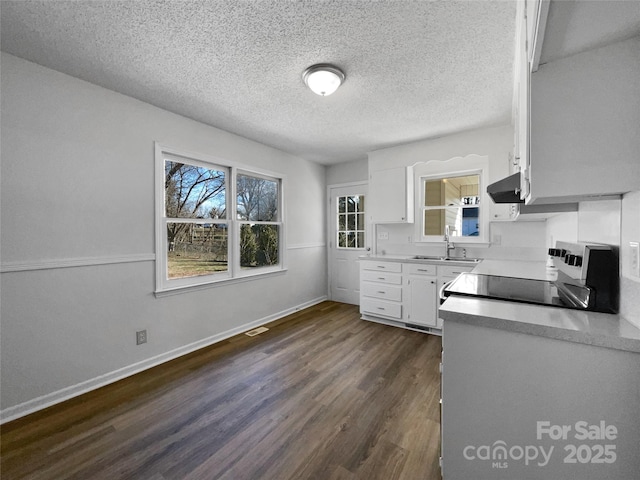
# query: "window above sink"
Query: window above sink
452,200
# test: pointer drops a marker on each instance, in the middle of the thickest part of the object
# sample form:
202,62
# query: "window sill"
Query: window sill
166,292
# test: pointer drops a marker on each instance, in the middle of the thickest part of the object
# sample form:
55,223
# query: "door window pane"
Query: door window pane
350,221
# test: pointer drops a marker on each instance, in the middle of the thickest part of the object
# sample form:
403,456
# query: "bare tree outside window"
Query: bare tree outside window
257,198
257,207
205,234
193,192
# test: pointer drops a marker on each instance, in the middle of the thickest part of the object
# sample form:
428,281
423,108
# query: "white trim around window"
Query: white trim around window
455,208
471,164
209,225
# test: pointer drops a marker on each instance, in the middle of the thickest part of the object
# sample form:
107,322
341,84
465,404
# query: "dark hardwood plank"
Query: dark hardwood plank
321,395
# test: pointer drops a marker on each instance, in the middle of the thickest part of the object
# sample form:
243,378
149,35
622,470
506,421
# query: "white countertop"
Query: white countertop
591,328
515,268
412,259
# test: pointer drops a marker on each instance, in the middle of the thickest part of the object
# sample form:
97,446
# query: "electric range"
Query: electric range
588,279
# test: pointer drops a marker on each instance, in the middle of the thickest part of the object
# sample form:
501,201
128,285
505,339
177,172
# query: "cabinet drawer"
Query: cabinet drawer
386,292
452,270
420,269
382,266
382,277
381,308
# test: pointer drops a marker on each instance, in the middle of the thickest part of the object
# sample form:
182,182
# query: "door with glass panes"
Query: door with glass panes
348,239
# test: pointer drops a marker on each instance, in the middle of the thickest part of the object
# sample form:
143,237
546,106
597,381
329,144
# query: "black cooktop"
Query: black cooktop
524,290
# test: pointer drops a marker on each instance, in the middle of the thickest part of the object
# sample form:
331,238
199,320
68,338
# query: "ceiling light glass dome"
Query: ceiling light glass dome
323,79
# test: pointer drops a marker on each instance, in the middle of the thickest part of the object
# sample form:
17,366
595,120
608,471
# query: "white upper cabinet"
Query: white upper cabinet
521,99
576,117
391,195
585,125
531,21
536,22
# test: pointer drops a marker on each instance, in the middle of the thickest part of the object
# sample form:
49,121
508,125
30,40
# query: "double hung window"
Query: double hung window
215,221
452,201
257,210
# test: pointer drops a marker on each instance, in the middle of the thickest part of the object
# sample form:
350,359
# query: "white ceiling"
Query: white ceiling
415,69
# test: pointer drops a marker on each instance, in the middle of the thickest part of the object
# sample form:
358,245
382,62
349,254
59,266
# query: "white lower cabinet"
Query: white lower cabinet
404,294
381,289
380,308
500,386
422,284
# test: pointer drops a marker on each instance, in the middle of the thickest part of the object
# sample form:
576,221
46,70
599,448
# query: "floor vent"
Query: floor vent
257,331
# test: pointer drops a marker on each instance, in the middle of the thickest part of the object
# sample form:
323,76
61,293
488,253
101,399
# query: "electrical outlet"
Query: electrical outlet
497,239
383,235
141,337
635,258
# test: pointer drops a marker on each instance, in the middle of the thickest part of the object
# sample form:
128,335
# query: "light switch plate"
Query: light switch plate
635,259
383,235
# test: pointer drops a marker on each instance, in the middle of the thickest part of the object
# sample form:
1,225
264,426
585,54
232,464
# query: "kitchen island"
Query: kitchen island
537,392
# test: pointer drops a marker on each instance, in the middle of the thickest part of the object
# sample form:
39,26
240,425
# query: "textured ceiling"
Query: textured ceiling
415,69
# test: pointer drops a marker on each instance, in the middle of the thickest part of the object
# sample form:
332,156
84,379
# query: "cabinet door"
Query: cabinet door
423,300
522,90
391,195
585,112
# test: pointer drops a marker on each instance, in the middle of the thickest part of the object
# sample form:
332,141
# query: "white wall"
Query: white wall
356,171
629,283
514,240
614,222
78,238
600,221
495,142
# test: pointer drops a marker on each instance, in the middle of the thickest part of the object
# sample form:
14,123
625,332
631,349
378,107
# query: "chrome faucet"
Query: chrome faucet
448,243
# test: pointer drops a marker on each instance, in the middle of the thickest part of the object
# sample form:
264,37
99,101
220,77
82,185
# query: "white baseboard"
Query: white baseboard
44,401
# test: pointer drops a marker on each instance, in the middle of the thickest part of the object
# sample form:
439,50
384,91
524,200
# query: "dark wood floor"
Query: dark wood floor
321,395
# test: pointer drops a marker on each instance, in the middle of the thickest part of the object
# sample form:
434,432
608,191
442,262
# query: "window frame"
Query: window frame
422,208
234,272
336,213
244,272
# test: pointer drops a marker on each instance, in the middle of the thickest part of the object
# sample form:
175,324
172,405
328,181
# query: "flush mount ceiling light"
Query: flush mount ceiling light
323,79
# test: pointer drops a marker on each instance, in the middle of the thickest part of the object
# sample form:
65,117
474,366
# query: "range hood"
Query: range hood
506,190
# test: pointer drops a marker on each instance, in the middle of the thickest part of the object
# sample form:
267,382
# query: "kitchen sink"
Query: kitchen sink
449,259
